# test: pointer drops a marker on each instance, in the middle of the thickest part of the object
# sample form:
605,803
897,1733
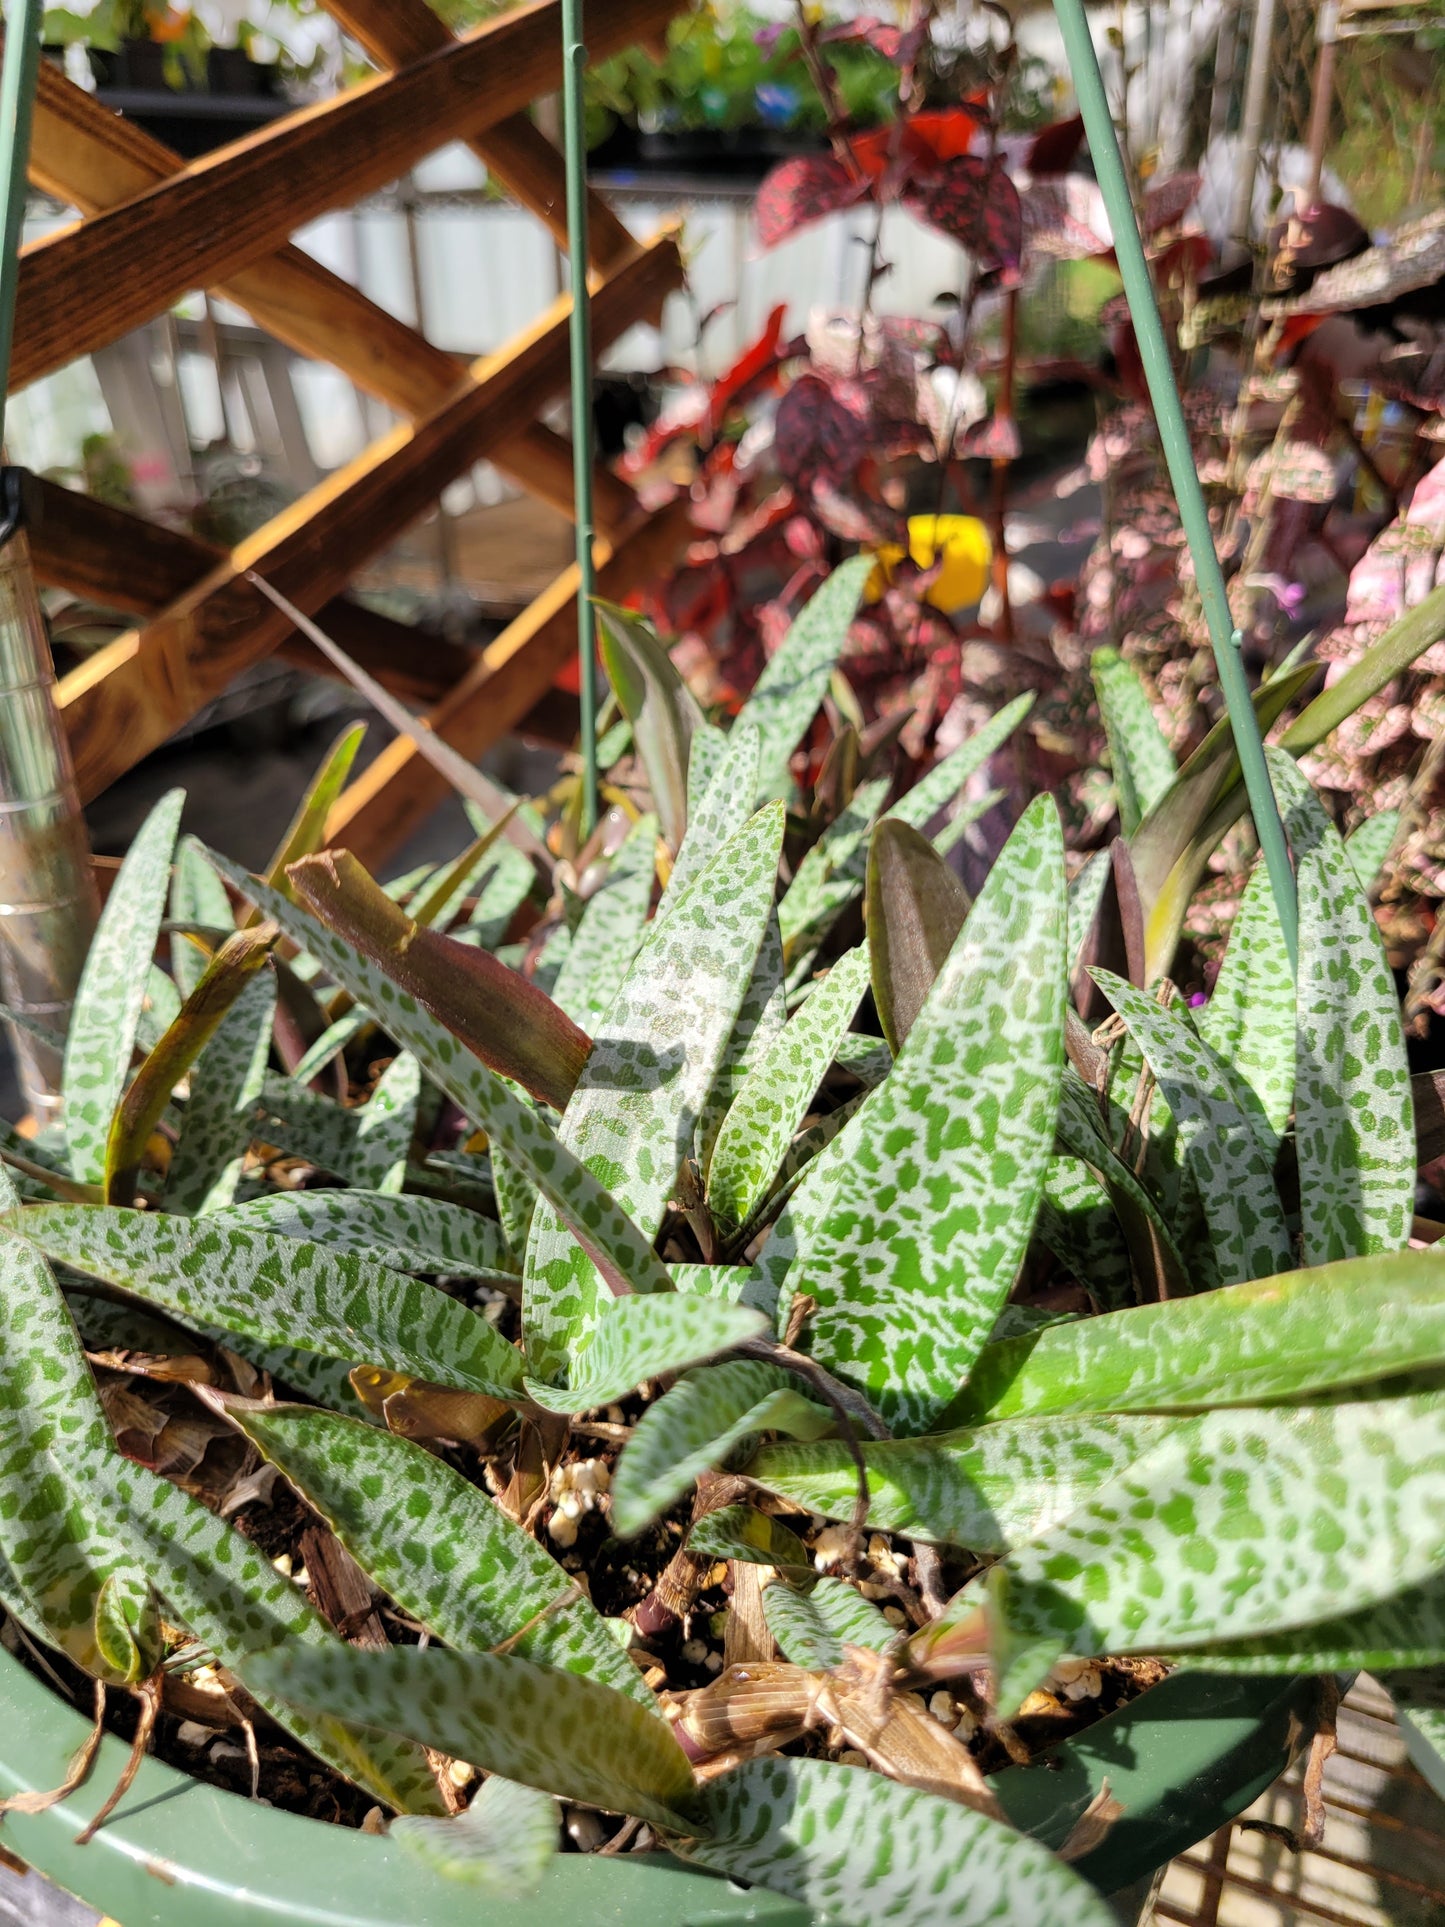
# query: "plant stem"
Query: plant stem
574,63
1174,434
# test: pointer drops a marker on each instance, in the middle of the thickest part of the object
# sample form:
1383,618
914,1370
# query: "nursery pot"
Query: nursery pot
1182,1759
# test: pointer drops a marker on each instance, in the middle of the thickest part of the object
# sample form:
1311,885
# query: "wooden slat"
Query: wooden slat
397,32
94,159
91,283
124,562
400,789
137,691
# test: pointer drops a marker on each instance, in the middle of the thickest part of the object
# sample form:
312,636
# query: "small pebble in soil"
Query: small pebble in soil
941,1707
895,1615
830,1546
882,1557
577,1489
584,1829
852,1758
694,1651
1078,1679
460,1774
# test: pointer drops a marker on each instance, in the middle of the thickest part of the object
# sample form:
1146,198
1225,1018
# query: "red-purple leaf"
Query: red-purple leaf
815,434
973,201
507,1022
800,191
1167,204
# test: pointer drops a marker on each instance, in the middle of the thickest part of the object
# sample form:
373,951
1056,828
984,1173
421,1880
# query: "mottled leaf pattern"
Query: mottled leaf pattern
221,1109
831,874
1227,1148
935,1204
104,1022
773,1101
71,1576
1250,1017
1144,765
438,1545
600,1225
408,1233
659,705
1354,1121
785,698
225,1591
280,1290
1078,1224
860,1850
505,886
986,1489
1248,1522
1086,892
759,1025
501,1844
199,898
1288,1337
695,1426
709,746
633,1113
813,1627
756,1538
1407,1630
1369,845
725,808
606,941
550,1730
630,1339
385,1126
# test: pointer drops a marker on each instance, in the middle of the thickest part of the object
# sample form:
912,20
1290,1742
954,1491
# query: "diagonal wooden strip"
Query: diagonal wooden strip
133,694
91,283
82,153
397,32
400,789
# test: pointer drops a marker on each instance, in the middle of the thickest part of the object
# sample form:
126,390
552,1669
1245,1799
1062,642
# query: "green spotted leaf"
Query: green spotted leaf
742,1532
1249,1020
445,1552
1078,1223
1369,845
385,1126
860,1850
785,698
221,1109
407,1233
1246,1523
659,705
1290,1337
1354,1120
708,747
106,1017
198,901
636,1105
813,1627
775,1098
695,1425
224,1590
631,1339
71,1577
936,1196
622,1252
1086,893
759,1024
606,941
307,1125
501,1844
986,1489
279,1290
505,885
1226,1145
1400,1633
1143,762
725,808
547,1729
1082,1135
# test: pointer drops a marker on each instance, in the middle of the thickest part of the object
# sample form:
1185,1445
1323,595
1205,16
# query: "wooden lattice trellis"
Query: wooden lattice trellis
154,227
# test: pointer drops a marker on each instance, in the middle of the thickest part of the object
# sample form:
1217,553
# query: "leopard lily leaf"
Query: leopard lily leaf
221,1109
623,1253
637,1102
547,1729
757,1028
445,1552
1354,1121
860,1850
106,1019
1249,1020
695,1426
279,1290
725,808
500,1844
408,1233
1144,765
630,1339
606,941
812,1627
935,1201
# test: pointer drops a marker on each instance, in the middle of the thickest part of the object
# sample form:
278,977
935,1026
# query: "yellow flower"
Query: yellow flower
961,542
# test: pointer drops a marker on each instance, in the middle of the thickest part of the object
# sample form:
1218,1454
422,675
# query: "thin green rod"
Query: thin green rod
1164,393
574,65
17,96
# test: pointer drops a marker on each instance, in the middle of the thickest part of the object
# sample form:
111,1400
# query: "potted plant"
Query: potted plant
817,1414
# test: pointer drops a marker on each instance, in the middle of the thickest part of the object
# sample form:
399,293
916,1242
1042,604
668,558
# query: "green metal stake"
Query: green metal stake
1163,392
17,95
574,65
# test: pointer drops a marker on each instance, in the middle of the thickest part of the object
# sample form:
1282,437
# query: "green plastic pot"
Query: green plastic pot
1183,1759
